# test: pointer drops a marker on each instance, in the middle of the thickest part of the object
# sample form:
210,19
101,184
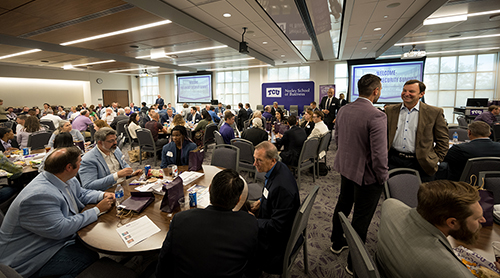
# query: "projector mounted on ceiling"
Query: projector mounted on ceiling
413,53
243,44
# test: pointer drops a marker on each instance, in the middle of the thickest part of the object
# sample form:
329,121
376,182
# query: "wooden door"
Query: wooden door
110,96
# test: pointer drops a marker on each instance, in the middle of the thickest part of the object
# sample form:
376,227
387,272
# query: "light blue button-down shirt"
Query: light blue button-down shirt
404,141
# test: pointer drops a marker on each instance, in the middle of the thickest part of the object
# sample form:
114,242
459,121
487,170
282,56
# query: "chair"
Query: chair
129,138
146,143
403,184
323,148
226,156
462,134
496,133
294,110
208,137
92,132
282,107
48,123
246,154
307,158
246,124
478,164
120,127
7,124
362,262
38,140
299,228
490,180
121,140
462,122
218,138
260,107
305,108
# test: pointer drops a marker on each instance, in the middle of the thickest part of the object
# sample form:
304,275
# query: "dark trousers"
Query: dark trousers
365,200
395,161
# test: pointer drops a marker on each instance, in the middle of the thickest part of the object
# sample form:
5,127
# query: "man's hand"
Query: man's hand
278,135
137,173
106,203
109,195
326,111
255,206
125,172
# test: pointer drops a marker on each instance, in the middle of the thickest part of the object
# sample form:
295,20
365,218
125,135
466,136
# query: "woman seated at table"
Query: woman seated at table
133,125
31,125
178,121
279,124
177,151
100,124
65,126
62,140
308,123
7,140
206,119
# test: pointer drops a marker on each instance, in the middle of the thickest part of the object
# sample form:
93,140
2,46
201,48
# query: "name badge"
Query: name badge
265,193
170,154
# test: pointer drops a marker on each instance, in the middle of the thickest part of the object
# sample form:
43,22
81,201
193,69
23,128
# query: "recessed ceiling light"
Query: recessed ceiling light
377,29
264,42
95,63
128,30
447,40
364,48
213,62
282,55
446,19
226,15
386,16
463,50
274,7
393,5
20,53
285,6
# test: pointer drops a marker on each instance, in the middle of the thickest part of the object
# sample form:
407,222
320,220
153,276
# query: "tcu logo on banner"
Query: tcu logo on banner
273,92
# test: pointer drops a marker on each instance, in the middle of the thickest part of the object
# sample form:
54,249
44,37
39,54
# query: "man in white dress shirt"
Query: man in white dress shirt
320,127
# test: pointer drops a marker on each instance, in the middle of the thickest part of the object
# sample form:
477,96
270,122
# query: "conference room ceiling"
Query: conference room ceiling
199,36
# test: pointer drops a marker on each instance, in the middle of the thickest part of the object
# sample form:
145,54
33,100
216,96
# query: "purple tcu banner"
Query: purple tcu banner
288,93
323,91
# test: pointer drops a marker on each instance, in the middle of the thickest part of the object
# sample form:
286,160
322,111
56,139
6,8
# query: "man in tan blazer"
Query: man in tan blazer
417,132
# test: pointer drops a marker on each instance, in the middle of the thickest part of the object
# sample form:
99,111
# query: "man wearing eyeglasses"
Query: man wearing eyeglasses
320,127
105,164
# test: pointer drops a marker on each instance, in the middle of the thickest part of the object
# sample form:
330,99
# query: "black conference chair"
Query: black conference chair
120,127
403,184
246,154
129,138
226,156
462,122
48,123
146,143
462,134
476,165
307,158
208,137
38,140
362,262
490,180
218,138
299,234
323,148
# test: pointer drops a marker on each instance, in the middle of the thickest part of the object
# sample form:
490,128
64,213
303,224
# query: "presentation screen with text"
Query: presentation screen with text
194,88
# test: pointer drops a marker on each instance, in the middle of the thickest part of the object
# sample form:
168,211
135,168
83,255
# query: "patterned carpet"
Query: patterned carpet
322,262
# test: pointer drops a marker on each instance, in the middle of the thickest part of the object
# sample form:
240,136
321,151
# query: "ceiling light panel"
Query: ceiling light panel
448,40
20,53
447,19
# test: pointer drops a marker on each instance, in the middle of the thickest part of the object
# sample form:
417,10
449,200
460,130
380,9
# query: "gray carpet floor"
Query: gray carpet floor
322,262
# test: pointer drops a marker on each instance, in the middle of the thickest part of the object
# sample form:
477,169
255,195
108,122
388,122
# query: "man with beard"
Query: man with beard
105,164
412,241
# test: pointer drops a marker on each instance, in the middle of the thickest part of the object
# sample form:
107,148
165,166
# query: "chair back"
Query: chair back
309,150
299,228
362,262
246,124
246,150
462,122
145,139
478,164
496,133
490,180
282,107
305,108
462,134
218,138
294,110
7,124
38,140
226,156
260,107
92,132
209,137
120,127
48,123
121,140
323,144
403,184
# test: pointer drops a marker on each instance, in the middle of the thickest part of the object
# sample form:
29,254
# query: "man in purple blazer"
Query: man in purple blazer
361,136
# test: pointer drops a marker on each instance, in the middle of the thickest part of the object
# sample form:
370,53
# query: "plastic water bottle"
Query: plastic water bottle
119,193
455,138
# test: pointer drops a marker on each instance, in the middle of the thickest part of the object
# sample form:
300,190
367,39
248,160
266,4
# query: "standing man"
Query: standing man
361,136
278,206
249,110
329,106
418,135
242,116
